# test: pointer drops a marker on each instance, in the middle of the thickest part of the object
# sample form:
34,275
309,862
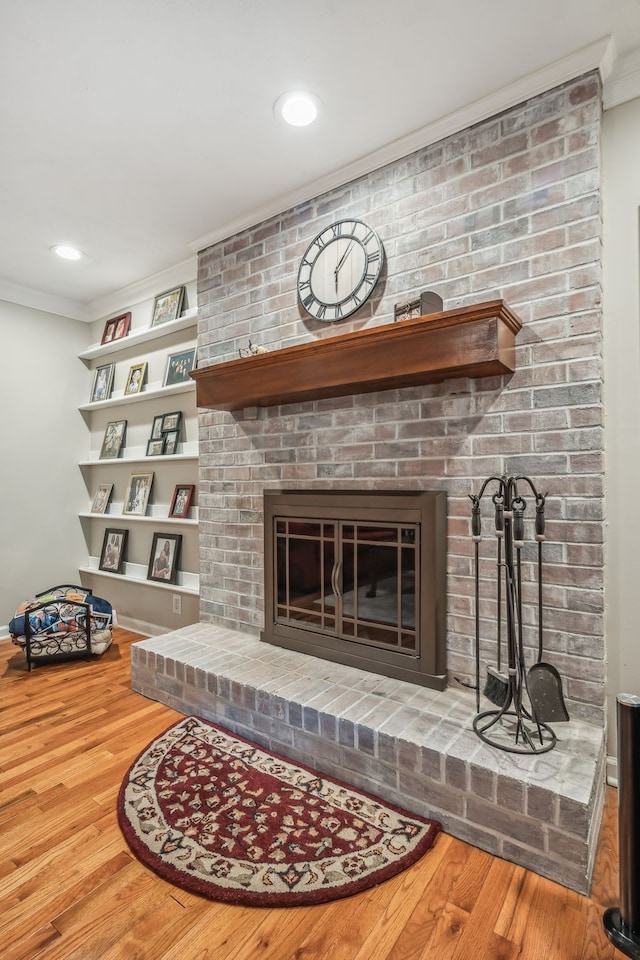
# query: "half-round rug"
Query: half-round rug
222,817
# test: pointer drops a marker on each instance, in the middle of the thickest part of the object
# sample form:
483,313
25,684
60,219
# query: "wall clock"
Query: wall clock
339,270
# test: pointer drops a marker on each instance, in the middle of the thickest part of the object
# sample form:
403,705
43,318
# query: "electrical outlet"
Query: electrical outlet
177,603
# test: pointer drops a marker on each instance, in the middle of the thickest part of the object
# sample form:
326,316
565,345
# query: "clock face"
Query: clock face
339,270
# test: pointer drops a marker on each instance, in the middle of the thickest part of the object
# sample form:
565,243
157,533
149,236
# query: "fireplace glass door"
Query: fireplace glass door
356,581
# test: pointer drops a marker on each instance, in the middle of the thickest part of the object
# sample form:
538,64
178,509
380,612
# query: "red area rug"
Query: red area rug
222,817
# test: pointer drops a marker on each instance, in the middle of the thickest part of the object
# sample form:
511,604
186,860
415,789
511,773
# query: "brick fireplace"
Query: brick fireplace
508,209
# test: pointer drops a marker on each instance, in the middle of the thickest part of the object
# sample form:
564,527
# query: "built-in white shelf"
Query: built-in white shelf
138,455
159,513
188,319
136,573
153,392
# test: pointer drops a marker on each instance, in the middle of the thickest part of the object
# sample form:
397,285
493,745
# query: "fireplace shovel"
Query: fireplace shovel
544,684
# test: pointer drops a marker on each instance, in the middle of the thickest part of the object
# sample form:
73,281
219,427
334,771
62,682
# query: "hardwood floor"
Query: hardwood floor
71,890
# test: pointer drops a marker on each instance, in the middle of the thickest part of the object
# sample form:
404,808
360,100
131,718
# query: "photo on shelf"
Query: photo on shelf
156,430
114,546
135,378
137,495
182,496
171,440
179,365
102,382
172,421
163,561
167,306
101,498
116,328
155,448
113,439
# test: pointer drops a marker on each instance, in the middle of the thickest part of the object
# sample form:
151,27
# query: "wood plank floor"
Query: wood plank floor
71,890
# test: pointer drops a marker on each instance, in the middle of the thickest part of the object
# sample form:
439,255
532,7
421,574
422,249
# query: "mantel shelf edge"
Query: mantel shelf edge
475,341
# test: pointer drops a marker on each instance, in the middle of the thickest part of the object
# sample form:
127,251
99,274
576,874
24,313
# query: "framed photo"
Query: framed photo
182,496
155,448
171,440
172,421
102,382
179,365
114,546
135,378
116,328
137,495
156,430
163,562
113,439
101,498
167,306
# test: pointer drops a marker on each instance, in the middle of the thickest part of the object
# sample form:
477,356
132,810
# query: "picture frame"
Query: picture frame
137,496
182,497
163,559
102,382
172,421
135,379
179,365
101,498
156,429
113,441
116,328
114,546
155,448
167,306
171,441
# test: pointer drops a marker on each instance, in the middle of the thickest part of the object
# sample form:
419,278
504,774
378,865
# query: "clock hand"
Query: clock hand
341,261
344,256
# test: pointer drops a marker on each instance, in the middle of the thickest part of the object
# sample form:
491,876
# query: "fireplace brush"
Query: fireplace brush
528,699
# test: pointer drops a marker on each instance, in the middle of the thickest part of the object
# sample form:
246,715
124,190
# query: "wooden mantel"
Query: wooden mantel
476,341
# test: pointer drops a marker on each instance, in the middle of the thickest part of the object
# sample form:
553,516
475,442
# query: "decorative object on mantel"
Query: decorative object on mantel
473,341
252,350
222,817
525,699
427,303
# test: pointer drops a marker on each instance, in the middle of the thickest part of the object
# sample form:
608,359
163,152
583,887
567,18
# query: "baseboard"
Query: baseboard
140,626
612,771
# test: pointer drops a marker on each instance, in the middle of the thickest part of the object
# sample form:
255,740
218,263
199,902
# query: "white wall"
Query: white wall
621,206
41,381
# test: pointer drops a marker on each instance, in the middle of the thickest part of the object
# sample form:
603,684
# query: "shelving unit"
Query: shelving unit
150,393
136,573
140,337
152,345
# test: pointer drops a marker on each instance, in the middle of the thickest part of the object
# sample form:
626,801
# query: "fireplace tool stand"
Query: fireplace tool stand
525,699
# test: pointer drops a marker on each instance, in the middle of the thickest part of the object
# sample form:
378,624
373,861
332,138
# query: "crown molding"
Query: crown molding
47,302
596,56
125,297
144,289
624,83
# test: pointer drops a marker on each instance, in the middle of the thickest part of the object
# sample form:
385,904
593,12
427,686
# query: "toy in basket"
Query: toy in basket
66,622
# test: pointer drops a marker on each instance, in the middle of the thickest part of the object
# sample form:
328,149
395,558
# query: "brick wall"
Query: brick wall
509,208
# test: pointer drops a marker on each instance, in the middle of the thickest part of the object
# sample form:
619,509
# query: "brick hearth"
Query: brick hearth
410,745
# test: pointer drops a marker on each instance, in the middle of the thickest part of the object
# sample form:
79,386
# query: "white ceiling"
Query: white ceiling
140,130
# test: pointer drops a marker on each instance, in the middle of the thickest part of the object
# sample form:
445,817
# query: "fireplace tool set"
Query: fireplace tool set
525,698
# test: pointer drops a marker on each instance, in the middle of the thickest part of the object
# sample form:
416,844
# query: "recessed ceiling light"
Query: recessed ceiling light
66,252
298,108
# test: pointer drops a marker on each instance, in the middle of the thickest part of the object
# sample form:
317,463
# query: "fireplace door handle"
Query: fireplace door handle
336,577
